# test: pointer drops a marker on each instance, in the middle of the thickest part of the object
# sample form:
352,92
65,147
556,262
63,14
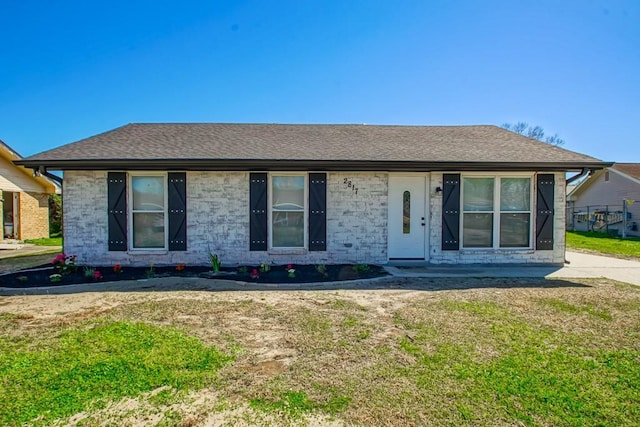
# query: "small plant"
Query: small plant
322,269
360,268
291,271
89,272
97,275
22,279
151,272
64,264
214,260
255,274
242,269
180,267
55,278
117,268
264,267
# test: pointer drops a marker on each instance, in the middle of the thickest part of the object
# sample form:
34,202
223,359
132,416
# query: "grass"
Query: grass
603,243
99,362
296,403
534,376
45,241
564,353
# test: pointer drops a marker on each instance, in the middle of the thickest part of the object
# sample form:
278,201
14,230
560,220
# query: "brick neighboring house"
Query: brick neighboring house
596,203
24,210
252,193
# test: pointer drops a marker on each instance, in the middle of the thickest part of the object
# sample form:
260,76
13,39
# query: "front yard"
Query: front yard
497,352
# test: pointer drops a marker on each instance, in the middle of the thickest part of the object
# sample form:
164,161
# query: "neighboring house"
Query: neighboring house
24,199
596,204
252,193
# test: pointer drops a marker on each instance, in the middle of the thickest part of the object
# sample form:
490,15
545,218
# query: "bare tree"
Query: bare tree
535,132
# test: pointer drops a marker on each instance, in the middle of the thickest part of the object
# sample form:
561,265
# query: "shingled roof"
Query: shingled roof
631,169
211,146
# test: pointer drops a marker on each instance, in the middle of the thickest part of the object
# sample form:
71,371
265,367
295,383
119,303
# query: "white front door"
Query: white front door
407,217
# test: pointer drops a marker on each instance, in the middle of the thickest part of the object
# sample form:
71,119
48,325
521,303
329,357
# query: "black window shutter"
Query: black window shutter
317,211
258,212
117,210
177,197
545,184
451,212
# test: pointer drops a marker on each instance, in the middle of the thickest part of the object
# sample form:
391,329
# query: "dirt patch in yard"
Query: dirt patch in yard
330,343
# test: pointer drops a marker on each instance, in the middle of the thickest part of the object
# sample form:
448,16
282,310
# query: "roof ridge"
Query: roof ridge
300,124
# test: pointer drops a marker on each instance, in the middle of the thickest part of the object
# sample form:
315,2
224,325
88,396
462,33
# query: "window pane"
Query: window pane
406,212
148,193
514,230
148,230
478,229
515,194
288,193
478,194
288,229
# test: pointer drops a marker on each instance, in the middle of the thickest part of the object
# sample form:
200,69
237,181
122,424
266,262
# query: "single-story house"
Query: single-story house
608,200
24,199
253,193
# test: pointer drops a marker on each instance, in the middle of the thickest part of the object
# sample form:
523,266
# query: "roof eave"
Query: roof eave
283,165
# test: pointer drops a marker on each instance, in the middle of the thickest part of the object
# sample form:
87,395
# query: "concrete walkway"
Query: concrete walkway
27,249
587,265
579,266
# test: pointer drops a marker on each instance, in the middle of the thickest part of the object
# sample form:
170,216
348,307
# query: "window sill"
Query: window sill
287,251
147,252
496,250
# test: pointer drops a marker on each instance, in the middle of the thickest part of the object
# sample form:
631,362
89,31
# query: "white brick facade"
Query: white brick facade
485,256
218,220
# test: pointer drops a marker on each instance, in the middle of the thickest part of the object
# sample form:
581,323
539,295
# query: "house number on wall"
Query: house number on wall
349,184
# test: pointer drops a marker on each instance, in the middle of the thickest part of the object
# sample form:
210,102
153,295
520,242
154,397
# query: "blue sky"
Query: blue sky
72,69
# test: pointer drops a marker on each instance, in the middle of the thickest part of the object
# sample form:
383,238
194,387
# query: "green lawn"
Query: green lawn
48,241
603,243
94,364
533,353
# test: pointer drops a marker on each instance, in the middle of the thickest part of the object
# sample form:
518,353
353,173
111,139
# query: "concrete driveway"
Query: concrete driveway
587,265
26,249
579,266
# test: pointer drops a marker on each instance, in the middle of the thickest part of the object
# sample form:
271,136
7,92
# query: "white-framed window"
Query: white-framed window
496,211
288,210
148,211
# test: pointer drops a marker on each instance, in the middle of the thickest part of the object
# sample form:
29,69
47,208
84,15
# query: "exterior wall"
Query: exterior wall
12,178
484,256
33,202
598,194
218,221
34,215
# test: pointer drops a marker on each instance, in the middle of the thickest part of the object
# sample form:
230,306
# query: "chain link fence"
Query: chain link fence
610,219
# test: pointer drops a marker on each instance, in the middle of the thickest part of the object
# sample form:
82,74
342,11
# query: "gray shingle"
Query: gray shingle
199,141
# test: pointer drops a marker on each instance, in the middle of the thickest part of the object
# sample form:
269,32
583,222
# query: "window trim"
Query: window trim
496,212
270,247
130,210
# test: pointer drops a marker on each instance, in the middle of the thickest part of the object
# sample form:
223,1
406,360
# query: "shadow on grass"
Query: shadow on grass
172,284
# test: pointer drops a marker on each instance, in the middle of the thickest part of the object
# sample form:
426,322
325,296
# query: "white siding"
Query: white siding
598,194
14,179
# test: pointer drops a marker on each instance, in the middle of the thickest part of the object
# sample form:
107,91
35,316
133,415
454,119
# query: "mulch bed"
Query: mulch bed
40,276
